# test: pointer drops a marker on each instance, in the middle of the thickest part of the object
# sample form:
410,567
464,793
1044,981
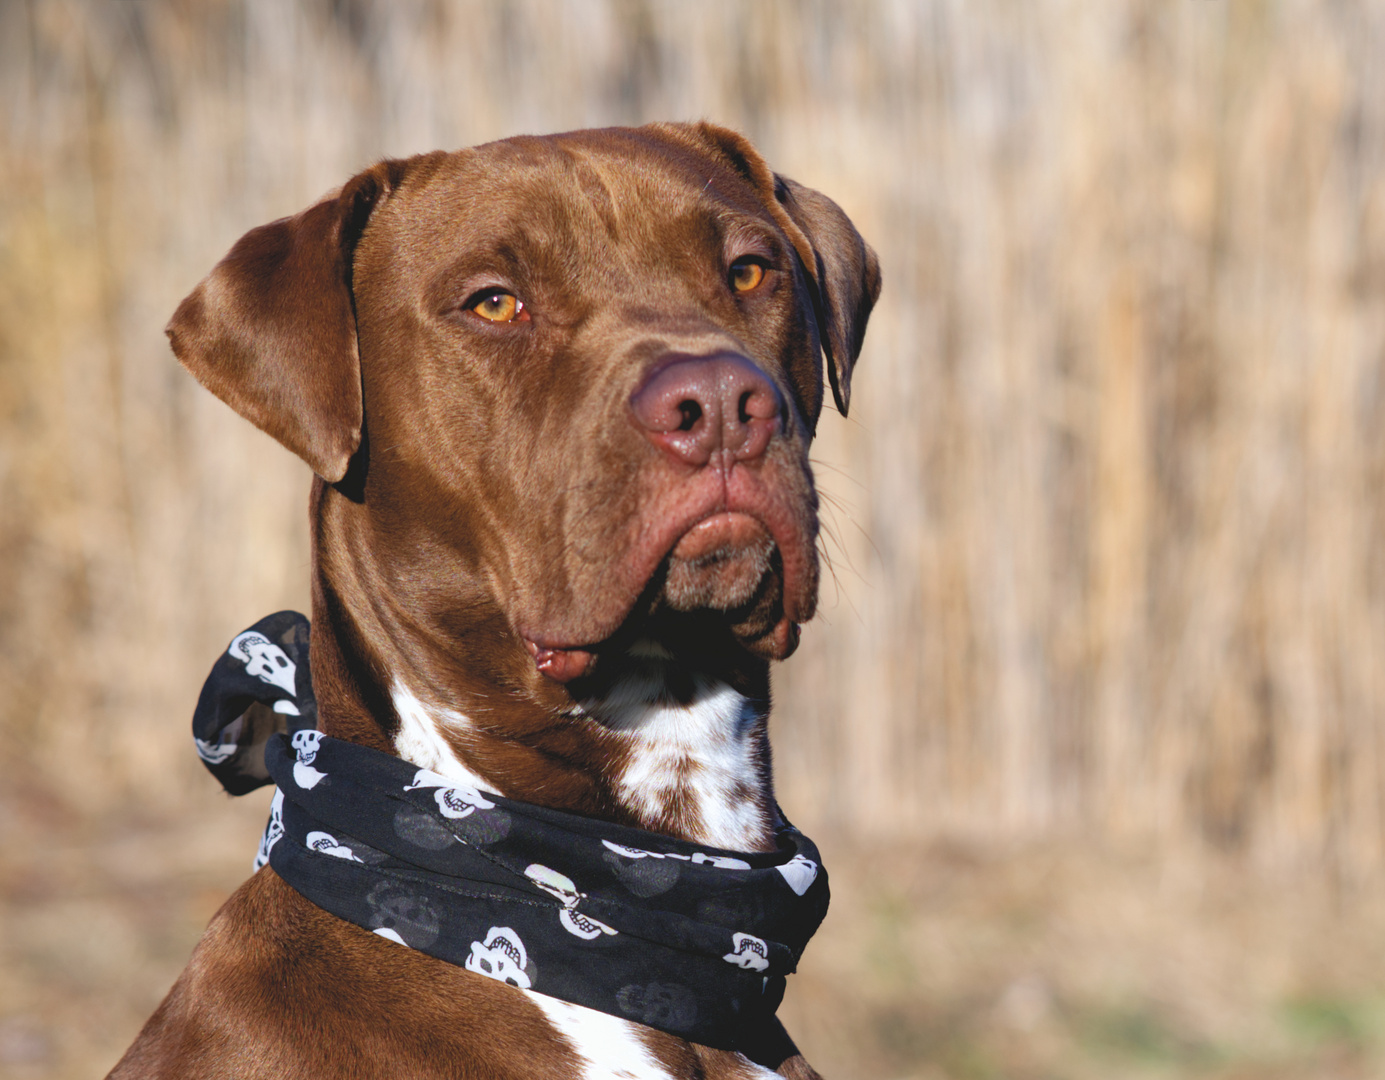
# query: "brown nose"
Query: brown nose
699,406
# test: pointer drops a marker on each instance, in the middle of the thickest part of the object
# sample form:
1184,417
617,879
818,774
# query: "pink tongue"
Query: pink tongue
560,665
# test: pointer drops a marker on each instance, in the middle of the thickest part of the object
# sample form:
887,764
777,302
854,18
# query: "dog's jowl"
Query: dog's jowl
558,393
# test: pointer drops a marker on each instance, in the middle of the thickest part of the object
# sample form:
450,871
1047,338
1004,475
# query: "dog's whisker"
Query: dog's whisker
827,466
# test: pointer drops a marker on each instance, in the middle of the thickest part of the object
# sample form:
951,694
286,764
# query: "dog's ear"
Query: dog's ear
272,329
848,278
844,271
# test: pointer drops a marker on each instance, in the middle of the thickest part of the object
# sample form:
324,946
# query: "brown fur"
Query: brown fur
482,495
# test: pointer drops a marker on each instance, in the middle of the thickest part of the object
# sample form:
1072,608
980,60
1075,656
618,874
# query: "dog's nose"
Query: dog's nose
699,406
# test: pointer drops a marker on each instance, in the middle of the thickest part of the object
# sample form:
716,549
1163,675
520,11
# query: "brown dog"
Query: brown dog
558,393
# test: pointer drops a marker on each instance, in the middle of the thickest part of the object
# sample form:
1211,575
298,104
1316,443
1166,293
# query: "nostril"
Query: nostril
691,412
695,407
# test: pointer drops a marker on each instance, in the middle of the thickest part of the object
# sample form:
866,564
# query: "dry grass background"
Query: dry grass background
1092,720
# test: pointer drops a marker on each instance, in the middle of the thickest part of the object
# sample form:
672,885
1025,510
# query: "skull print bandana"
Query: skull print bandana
694,941
259,686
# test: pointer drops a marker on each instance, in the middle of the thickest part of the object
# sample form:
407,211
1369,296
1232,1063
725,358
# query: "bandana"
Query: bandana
259,686
692,940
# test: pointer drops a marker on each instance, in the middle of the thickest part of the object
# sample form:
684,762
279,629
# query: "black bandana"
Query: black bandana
694,941
259,685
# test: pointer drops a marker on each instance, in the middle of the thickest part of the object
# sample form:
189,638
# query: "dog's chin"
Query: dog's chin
720,564
730,572
723,582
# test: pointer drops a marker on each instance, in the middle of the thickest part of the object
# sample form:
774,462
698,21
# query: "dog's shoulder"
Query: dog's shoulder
279,988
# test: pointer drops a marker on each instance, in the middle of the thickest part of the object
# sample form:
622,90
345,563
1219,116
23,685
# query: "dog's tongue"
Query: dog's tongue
561,665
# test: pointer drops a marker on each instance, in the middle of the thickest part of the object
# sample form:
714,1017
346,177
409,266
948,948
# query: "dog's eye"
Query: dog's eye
746,274
496,305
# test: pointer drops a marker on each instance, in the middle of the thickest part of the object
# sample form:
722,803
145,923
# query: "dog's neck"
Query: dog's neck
698,750
670,734
689,760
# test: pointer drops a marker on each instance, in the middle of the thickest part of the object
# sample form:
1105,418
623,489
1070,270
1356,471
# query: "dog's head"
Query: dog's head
570,380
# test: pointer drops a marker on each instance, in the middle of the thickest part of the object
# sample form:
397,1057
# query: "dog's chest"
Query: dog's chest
608,1048
695,763
695,760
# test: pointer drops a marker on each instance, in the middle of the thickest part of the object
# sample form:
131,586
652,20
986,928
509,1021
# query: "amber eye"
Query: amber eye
497,306
746,274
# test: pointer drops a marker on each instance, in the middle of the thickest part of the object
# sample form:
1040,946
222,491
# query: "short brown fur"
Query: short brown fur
483,495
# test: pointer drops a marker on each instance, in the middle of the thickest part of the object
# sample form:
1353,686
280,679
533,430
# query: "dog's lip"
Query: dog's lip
715,532
561,664
729,512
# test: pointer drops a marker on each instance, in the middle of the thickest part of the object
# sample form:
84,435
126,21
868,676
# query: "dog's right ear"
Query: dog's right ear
272,329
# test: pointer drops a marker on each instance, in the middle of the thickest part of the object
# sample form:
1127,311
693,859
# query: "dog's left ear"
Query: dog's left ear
844,271
848,278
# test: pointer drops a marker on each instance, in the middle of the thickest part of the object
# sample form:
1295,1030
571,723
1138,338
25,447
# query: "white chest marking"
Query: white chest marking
703,747
607,1048
703,751
419,742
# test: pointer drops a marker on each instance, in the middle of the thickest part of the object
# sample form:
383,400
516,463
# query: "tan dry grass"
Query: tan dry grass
1105,522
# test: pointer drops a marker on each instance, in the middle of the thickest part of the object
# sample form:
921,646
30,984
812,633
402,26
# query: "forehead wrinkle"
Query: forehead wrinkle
672,183
583,214
596,191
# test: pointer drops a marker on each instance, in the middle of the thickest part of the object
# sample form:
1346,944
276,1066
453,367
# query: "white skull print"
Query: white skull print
800,872
562,886
326,844
265,660
228,742
273,830
306,744
553,883
721,862
454,800
501,956
582,926
748,952
214,753
631,852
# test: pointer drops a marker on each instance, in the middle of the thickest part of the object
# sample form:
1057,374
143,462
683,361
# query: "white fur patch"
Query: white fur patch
703,750
420,742
607,1047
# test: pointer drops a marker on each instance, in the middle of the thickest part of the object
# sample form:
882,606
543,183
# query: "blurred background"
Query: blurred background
1091,725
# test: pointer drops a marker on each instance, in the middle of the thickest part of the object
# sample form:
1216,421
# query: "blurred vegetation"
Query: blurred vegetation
1104,525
